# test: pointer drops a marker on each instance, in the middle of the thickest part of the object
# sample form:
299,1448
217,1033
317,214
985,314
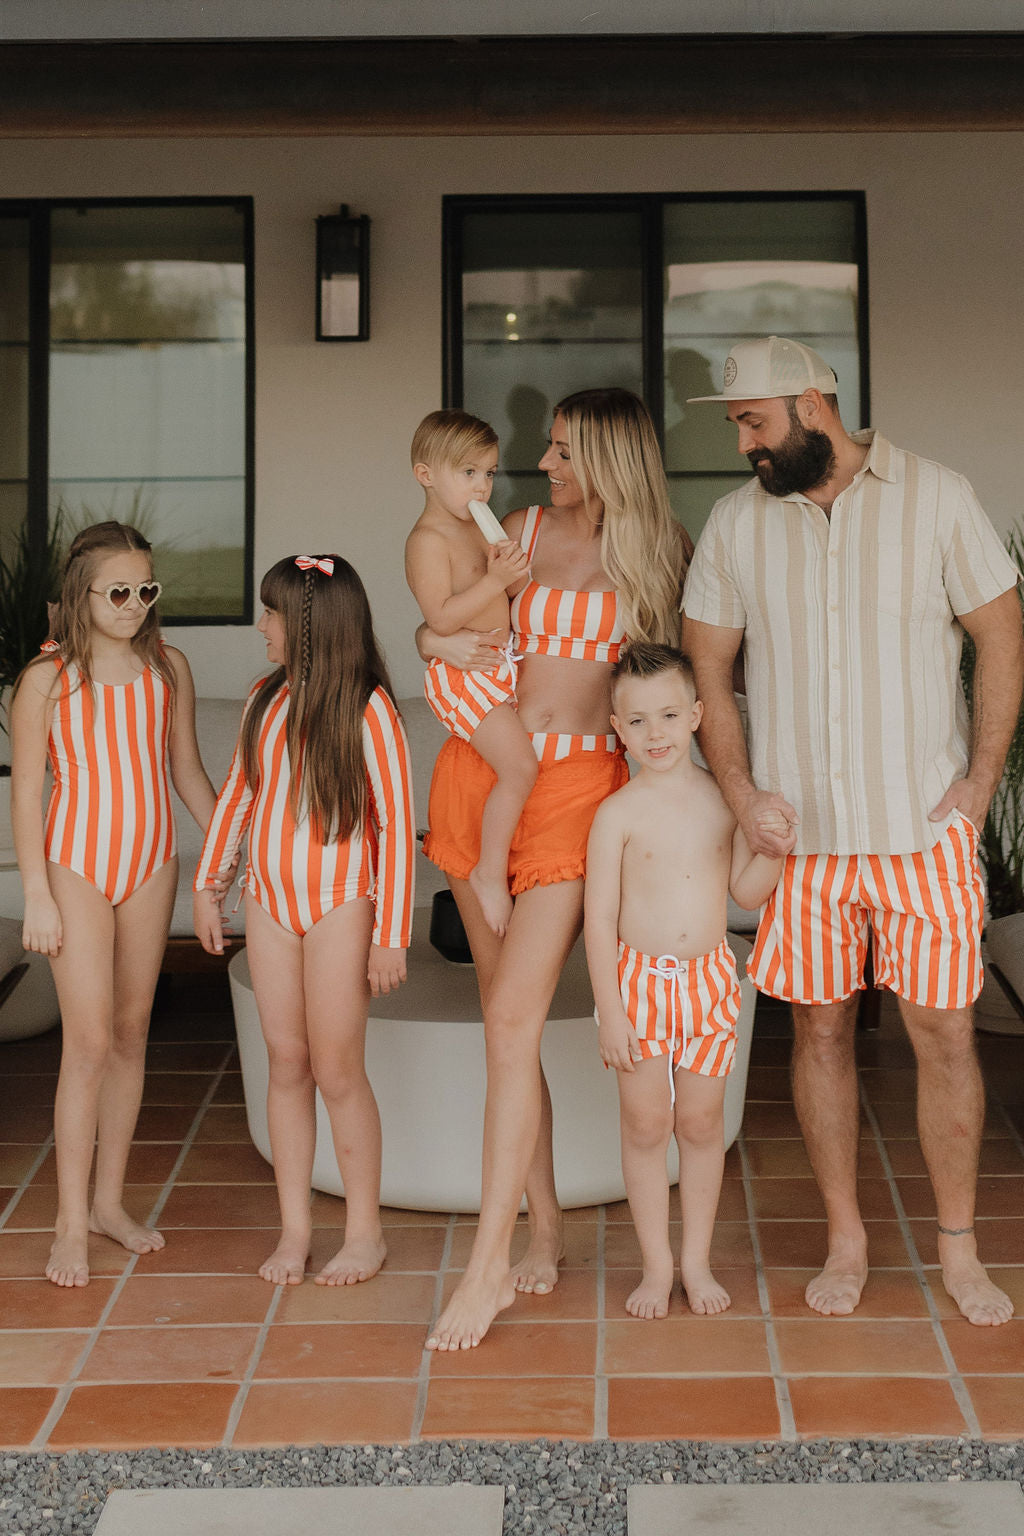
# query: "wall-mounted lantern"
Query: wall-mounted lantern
342,277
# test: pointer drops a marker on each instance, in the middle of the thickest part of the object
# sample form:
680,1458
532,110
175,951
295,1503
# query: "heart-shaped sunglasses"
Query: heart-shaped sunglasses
119,592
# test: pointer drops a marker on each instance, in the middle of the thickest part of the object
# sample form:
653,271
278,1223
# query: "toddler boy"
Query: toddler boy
664,852
462,582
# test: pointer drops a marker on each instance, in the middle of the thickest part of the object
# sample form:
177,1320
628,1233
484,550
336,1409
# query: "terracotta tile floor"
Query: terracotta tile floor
189,1347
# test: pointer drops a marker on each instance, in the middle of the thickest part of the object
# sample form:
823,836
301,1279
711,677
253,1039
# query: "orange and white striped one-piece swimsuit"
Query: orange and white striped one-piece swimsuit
291,873
109,818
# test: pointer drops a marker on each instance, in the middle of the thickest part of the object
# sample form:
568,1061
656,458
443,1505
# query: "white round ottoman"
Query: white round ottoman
425,1059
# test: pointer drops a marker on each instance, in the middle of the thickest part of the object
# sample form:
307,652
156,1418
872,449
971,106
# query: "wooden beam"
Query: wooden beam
884,82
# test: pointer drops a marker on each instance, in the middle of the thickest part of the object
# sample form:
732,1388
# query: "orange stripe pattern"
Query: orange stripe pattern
924,910
109,817
461,700
295,876
687,1010
555,621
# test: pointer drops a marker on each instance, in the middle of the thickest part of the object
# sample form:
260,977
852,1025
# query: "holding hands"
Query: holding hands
769,823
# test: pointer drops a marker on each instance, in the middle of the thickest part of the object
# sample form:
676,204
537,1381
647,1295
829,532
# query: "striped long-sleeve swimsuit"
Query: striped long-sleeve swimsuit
294,876
109,818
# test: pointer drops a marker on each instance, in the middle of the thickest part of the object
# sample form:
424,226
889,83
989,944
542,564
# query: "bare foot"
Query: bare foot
704,1295
980,1301
836,1291
536,1273
495,902
653,1294
473,1307
116,1223
356,1260
287,1263
68,1263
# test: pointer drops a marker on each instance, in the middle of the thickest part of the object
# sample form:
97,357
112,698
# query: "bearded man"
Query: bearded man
848,570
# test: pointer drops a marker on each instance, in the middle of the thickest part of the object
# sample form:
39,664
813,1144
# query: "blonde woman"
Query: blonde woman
607,562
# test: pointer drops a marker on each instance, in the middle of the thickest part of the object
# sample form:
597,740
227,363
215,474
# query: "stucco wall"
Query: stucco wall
945,250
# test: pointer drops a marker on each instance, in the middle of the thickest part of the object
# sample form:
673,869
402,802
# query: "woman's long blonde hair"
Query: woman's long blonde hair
616,459
70,626
333,665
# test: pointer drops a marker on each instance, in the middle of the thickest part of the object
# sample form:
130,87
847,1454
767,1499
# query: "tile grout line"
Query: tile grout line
241,1396
956,1381
423,1379
783,1401
63,1396
600,1374
190,1136
1014,1136
41,1157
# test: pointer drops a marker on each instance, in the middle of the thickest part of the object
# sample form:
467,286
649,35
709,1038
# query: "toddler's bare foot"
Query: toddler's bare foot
495,902
473,1307
653,1294
355,1261
287,1263
704,1295
835,1292
116,1223
536,1273
979,1300
68,1263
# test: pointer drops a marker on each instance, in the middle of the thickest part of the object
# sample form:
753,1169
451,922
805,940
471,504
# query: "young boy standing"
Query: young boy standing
462,582
664,852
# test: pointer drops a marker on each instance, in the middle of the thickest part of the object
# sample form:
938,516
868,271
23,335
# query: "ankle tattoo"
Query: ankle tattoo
955,1231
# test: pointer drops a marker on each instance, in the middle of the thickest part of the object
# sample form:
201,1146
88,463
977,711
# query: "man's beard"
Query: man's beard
802,460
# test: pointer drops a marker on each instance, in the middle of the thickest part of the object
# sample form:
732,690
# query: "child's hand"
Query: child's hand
508,561
618,1043
774,821
385,970
208,921
42,931
222,881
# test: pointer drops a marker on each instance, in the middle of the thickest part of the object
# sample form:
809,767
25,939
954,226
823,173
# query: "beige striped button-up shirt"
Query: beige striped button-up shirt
852,641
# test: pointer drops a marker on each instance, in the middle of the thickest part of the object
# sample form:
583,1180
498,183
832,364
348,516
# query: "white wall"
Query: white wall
945,251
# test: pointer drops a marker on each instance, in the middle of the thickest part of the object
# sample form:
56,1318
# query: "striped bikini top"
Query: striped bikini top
555,621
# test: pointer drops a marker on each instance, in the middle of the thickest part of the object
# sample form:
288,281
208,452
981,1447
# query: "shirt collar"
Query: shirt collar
881,455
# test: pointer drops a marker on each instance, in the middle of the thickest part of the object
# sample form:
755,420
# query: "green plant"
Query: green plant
1002,837
29,580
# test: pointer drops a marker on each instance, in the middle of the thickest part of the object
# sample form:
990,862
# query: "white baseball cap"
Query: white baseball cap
769,367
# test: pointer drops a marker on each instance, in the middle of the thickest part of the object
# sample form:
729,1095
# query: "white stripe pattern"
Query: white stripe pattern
291,873
852,641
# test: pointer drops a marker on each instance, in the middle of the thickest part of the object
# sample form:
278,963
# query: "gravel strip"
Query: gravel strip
552,1488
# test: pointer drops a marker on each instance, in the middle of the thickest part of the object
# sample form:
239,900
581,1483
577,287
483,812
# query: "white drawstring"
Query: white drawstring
670,966
512,656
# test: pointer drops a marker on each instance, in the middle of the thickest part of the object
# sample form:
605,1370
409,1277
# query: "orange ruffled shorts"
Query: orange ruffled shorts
550,842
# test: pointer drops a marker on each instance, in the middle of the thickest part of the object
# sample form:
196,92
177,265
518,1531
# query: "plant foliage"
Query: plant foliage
1002,837
29,580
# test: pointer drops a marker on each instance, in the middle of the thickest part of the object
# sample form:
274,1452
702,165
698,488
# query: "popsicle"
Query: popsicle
487,522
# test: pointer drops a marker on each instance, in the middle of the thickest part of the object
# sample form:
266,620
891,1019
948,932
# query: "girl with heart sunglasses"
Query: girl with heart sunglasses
113,709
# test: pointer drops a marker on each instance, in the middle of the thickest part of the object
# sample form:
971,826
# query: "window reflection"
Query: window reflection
148,388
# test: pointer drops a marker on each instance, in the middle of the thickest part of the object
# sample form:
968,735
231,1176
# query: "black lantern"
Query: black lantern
342,277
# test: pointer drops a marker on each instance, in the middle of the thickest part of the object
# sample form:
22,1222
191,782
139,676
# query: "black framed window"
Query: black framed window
126,349
546,295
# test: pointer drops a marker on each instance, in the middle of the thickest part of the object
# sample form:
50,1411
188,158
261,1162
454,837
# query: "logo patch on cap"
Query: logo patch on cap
730,371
